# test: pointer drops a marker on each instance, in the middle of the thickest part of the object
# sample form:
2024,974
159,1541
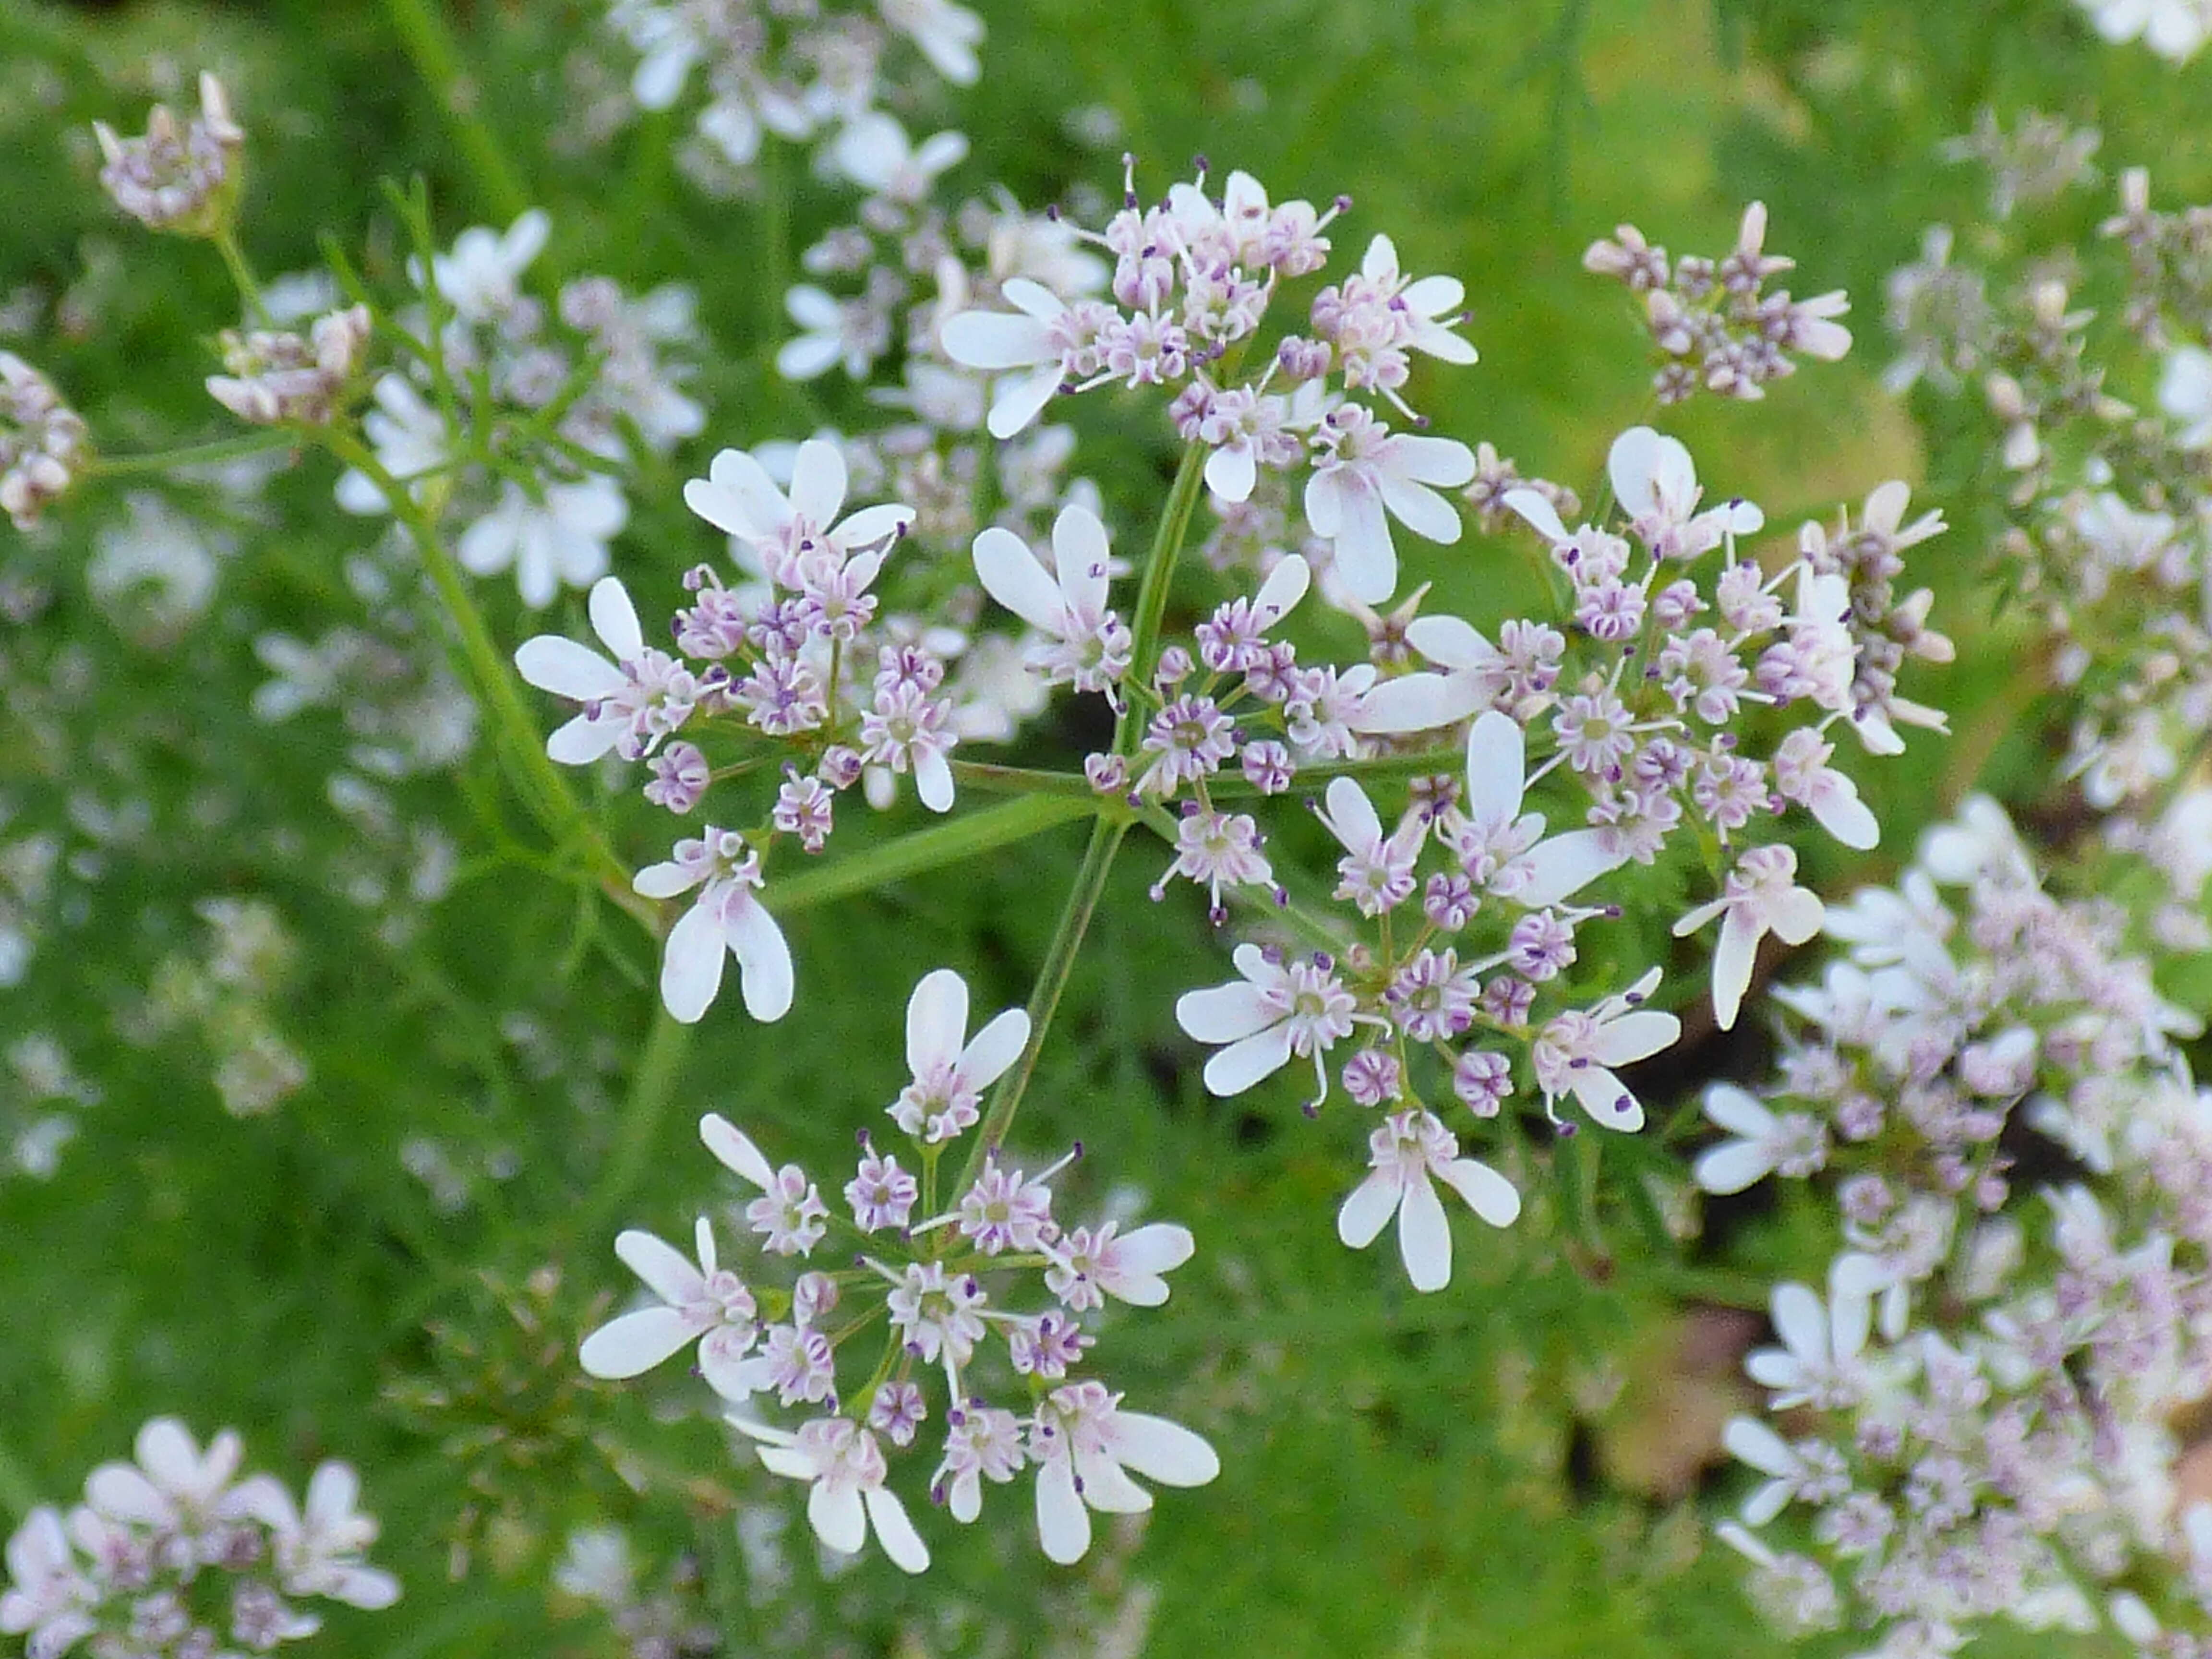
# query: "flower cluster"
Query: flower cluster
946,1283
1193,283
175,1557
517,419
42,442
1981,1409
2175,29
795,71
1716,326
279,377
180,177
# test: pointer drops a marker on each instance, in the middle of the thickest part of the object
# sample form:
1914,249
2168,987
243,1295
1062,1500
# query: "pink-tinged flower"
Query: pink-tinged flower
554,539
1087,646
725,918
950,1070
1656,482
1088,1266
1761,896
1055,342
981,1442
1818,1364
1801,774
1365,475
844,1468
706,1303
317,1550
1499,845
1278,1010
630,703
1576,1053
1760,1142
792,532
482,277
48,1598
1425,308
1377,870
1407,1154
1084,1445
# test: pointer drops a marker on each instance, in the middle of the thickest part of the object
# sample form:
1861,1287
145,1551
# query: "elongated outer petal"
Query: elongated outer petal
691,964
1241,1065
1839,811
1801,1322
1157,1247
664,880
1607,1099
1445,461
995,1049
1431,296
734,1150
1351,815
1020,400
764,977
1417,703
123,1493
1796,916
582,740
1230,473
1367,1209
1536,508
936,1020
1496,770
614,619
1366,560
1285,586
895,1532
1063,1523
838,1518
871,525
1750,1441
663,1269
1632,465
1421,510
804,358
1733,958
1080,554
1635,1035
1011,574
1163,1451
1850,1318
567,669
817,482
1425,1242
1771,1368
634,1343
1732,1166
1226,1013
1565,863
963,1495
997,339
1106,1484
1450,642
933,780
1737,1110
737,497
1487,1192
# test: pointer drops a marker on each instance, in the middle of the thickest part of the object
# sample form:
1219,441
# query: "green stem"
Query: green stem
1228,785
241,274
437,59
933,849
259,442
1020,780
1052,979
637,1135
1153,590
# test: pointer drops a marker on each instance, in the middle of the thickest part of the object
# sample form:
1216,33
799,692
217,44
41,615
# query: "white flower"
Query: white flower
1656,482
2174,29
1500,844
409,437
173,1487
1424,701
559,539
1575,1054
1088,645
48,1597
482,277
946,34
875,152
1818,1364
1405,1153
830,330
1375,873
1084,1445
950,1071
1043,335
630,703
1363,475
845,1469
1750,1441
725,917
1762,897
1423,307
705,1301
1088,1266
2185,391
318,1551
1760,1142
1278,1010
739,498
1801,774
981,1441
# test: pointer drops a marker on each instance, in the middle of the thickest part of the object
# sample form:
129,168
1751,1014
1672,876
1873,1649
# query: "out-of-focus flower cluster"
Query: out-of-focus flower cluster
514,420
1979,1416
43,448
2175,29
175,1557
1716,328
947,1282
182,176
793,69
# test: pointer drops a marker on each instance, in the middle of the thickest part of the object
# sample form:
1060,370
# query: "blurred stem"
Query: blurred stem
1052,979
258,442
241,274
437,59
515,734
1231,787
652,1086
1020,780
1153,590
963,838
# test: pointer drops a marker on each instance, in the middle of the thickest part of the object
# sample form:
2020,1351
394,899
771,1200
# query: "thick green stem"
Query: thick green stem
637,1134
259,442
962,838
1020,780
1052,979
437,59
1152,589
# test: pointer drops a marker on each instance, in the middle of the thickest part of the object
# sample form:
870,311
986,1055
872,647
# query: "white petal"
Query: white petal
1063,1524
1445,461
614,619
1107,1486
1157,1247
1607,1099
997,339
666,1271
734,1150
1279,594
995,1049
1565,865
1796,917
933,780
1019,400
1241,1065
1421,510
1351,815
936,1021
1226,1013
1801,1322
763,961
838,1518
1487,1192
1733,958
1732,1166
664,880
1079,555
1635,1035
1448,641
802,357
1737,1110
1163,1451
634,1343
1424,1241
567,669
1496,770
817,481
1631,465
896,1533
1232,473
1417,703
1841,812
691,964
1367,1209
1366,561
1536,508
